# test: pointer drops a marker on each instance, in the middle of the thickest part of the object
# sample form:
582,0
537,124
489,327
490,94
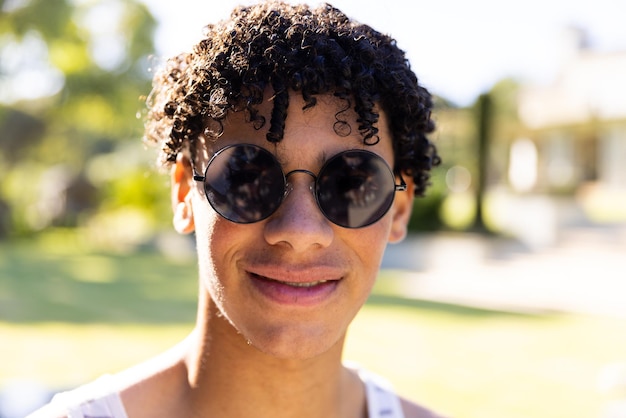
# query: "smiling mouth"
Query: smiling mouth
305,292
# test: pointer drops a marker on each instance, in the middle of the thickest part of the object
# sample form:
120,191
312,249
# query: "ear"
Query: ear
182,182
401,209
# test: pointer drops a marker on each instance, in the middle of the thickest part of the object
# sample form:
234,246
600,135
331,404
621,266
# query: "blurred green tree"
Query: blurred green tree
72,77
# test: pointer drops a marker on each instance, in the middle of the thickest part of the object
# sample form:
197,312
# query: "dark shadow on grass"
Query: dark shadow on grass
453,308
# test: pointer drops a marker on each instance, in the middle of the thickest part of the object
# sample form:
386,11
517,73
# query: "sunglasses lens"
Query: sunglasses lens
244,183
355,188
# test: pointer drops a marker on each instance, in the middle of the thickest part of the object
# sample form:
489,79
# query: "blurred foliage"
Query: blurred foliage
72,78
453,129
426,209
506,127
446,204
73,74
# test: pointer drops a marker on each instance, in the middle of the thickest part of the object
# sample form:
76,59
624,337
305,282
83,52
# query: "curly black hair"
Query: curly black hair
283,47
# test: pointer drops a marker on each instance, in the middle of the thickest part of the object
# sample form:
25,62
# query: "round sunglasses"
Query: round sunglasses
245,183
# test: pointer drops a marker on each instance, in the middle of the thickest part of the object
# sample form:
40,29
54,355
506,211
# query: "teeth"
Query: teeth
294,284
310,284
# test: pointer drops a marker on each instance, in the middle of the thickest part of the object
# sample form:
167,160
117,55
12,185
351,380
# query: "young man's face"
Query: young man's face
291,284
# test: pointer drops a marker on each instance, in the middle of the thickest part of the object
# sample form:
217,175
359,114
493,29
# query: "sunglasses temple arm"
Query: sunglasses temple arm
196,176
402,186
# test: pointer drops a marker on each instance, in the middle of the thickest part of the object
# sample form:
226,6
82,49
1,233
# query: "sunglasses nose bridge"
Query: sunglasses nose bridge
289,185
301,170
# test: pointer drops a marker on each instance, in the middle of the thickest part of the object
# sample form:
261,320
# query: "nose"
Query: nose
298,223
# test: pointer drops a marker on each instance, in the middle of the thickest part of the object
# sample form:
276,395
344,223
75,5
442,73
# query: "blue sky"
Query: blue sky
458,48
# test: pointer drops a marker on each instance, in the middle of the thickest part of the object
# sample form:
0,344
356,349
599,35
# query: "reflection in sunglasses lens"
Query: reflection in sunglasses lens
355,189
245,184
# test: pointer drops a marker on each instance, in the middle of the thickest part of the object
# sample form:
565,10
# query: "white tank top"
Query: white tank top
382,401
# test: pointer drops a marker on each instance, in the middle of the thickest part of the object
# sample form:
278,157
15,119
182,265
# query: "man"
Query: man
296,140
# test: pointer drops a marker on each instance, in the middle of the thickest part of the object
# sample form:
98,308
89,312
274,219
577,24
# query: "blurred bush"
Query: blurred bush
72,78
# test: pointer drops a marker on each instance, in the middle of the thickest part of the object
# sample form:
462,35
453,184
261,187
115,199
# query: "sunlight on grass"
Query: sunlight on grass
503,365
63,355
465,367
63,324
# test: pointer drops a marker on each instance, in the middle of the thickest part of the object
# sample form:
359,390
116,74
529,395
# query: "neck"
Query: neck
229,377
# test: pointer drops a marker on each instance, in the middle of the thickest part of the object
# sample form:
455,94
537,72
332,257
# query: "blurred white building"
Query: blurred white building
578,125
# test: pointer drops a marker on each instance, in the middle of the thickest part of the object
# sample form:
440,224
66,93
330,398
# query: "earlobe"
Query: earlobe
183,218
402,207
181,196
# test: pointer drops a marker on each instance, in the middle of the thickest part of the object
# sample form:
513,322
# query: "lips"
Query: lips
304,288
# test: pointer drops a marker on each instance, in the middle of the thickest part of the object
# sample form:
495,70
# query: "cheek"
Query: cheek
369,244
209,225
219,243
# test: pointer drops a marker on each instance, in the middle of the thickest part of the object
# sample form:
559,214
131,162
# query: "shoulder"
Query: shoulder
413,410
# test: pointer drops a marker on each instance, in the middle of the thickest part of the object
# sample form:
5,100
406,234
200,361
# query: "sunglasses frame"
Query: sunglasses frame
202,178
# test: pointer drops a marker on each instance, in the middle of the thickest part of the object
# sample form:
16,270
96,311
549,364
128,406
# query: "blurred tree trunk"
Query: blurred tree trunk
484,116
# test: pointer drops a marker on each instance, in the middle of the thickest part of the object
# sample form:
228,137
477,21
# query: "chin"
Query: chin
300,345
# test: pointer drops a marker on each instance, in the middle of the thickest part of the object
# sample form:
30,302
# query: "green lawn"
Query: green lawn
68,315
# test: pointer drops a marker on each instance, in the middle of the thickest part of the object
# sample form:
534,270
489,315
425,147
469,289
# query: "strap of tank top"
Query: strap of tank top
382,401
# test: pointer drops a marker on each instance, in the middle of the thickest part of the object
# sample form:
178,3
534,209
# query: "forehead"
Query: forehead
329,116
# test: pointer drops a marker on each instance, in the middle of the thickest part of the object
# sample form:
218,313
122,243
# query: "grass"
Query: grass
68,315
479,365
